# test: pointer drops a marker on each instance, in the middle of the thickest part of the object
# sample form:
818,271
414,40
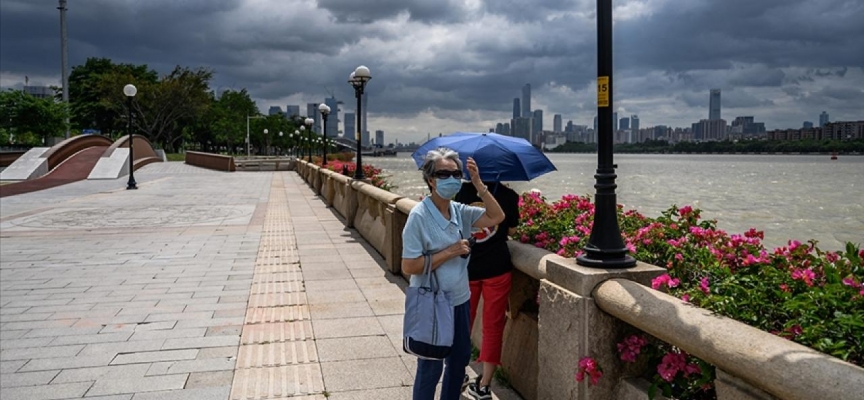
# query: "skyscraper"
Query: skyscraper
365,100
526,100
379,137
312,112
714,105
634,123
556,123
614,121
350,127
624,123
808,124
333,118
275,110
537,125
291,111
823,119
517,109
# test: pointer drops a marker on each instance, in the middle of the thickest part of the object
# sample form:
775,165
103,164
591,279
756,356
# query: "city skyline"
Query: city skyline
456,66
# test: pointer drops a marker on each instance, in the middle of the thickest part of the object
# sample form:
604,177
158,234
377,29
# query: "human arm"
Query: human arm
493,214
414,266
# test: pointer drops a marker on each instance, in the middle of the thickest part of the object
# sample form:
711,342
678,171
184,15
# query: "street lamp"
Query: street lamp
280,143
266,141
325,111
303,138
309,122
358,80
605,248
294,144
248,142
130,91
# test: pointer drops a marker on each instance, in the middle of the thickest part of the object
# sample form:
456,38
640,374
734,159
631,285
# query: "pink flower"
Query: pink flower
671,364
784,287
795,330
686,210
673,226
832,257
703,286
524,238
679,257
692,369
685,298
666,280
861,254
588,365
805,275
631,346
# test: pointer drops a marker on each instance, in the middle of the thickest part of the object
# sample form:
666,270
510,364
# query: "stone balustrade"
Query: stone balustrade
560,311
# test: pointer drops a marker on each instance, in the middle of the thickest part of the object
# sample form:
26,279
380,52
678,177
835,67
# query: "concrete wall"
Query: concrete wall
560,311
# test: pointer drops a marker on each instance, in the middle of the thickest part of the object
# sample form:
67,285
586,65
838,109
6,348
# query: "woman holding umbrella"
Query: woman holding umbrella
439,227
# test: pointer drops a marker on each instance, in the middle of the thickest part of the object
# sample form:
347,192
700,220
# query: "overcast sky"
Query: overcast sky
451,65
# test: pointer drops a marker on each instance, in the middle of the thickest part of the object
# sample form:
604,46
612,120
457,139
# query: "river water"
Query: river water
788,196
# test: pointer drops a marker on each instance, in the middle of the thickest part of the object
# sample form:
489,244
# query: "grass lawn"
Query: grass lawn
176,156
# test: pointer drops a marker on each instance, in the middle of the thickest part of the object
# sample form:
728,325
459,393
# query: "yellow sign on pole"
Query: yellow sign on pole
602,91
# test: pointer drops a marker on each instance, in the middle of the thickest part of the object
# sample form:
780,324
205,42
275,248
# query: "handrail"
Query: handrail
778,366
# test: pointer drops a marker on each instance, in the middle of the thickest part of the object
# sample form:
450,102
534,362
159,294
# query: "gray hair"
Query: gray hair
432,157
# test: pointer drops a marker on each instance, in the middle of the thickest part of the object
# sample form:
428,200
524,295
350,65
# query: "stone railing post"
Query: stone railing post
571,326
352,202
329,190
317,181
395,221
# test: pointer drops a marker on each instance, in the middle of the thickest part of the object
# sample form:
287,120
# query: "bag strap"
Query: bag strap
431,278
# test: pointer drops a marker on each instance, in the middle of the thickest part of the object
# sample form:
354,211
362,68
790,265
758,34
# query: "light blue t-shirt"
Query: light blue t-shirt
427,232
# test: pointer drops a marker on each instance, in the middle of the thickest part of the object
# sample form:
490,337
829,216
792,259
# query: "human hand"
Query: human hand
460,248
473,172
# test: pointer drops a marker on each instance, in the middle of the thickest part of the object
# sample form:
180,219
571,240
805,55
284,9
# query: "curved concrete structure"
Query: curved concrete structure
114,163
71,169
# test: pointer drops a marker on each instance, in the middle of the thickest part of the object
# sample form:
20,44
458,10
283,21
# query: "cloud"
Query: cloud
459,63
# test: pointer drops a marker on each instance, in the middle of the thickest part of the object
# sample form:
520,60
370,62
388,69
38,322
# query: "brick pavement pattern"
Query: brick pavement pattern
197,281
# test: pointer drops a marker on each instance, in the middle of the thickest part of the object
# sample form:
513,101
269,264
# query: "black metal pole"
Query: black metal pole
324,161
358,171
309,144
605,248
131,184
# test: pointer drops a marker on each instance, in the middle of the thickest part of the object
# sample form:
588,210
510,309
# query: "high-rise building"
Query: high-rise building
312,112
498,128
364,122
517,109
350,127
333,118
506,129
710,130
714,105
823,119
291,111
521,127
614,121
595,123
807,124
624,123
275,110
556,123
379,137
526,101
634,122
536,124
39,92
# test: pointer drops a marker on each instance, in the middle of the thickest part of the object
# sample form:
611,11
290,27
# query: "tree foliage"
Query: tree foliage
30,119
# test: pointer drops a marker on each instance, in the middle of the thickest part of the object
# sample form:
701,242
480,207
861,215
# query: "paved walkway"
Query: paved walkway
199,285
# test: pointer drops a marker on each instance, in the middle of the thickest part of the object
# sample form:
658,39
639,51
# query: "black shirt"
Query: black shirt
490,256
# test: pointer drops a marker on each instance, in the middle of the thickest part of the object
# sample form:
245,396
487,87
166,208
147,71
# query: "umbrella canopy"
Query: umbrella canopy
499,157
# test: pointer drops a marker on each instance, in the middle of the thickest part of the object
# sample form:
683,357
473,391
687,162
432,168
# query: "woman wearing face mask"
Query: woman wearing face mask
439,227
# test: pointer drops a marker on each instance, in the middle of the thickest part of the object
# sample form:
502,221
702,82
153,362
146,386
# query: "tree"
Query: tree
86,93
27,116
227,117
161,108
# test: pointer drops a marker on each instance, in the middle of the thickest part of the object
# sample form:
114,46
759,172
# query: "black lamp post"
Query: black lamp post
130,91
605,248
358,79
266,144
325,111
281,149
309,122
295,138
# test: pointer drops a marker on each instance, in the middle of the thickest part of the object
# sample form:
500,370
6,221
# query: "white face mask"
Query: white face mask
447,188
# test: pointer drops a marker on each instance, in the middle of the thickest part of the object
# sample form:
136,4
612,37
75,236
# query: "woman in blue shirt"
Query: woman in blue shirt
439,227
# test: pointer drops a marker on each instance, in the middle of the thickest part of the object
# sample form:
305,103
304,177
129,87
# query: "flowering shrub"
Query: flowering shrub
798,292
373,174
588,366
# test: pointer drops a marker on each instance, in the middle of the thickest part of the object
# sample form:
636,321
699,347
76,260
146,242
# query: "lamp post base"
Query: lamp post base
607,261
131,186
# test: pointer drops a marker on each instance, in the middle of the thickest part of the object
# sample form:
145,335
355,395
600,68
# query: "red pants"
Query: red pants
495,292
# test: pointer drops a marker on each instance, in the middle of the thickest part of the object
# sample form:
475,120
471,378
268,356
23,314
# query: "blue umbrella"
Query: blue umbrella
499,157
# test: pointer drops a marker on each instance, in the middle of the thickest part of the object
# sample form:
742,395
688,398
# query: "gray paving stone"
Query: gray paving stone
335,328
154,356
355,348
25,317
24,343
204,393
143,384
53,332
180,316
197,343
169,334
210,379
198,323
47,392
122,347
371,373
131,371
67,362
40,352
396,393
27,378
88,339
202,365
218,352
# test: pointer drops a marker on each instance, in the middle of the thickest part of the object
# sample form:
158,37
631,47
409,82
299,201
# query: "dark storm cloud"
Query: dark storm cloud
450,56
370,11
